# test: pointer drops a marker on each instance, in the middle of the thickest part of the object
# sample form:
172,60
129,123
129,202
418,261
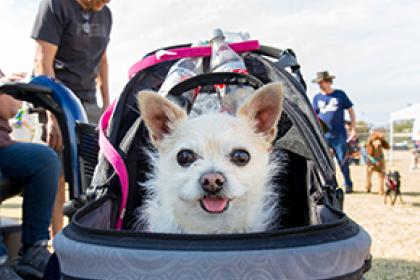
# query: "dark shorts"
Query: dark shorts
93,112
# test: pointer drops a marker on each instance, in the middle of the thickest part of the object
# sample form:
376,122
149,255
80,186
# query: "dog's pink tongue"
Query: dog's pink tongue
213,204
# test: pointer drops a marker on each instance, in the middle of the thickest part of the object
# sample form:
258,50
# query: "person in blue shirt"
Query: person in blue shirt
330,105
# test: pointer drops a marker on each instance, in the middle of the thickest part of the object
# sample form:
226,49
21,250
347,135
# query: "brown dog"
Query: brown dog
376,159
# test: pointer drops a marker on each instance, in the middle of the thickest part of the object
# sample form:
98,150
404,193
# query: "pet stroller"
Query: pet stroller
314,238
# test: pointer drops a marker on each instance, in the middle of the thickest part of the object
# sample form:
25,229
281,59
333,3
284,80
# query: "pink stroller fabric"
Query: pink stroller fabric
173,54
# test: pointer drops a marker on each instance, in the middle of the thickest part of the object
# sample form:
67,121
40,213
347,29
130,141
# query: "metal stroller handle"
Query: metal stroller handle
208,79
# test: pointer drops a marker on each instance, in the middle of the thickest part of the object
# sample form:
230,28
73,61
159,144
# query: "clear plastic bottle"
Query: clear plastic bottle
224,59
182,70
232,37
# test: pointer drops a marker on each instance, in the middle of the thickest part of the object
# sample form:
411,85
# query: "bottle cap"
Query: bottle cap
217,34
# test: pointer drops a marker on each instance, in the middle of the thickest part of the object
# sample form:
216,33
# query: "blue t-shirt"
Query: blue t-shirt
330,109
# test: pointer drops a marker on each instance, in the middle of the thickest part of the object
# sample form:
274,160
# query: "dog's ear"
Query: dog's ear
385,143
264,109
159,114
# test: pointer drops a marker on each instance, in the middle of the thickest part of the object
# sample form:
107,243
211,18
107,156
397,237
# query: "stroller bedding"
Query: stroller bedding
313,238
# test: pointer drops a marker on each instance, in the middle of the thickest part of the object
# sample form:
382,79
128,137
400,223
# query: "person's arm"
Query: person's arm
44,58
315,105
348,105
103,81
44,65
352,115
8,106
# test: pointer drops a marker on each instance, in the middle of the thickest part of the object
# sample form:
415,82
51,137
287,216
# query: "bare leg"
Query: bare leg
414,160
57,220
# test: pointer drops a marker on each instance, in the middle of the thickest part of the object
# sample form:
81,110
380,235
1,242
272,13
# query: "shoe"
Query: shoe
34,261
349,190
7,273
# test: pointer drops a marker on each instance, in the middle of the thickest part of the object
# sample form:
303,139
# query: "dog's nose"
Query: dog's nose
212,182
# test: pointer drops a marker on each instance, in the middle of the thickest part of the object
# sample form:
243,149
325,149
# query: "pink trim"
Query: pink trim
108,150
178,53
114,158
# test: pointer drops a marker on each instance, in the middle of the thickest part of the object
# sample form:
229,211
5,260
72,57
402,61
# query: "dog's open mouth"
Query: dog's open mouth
214,205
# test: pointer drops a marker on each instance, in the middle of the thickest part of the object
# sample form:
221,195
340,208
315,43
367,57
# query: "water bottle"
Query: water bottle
232,37
182,70
224,59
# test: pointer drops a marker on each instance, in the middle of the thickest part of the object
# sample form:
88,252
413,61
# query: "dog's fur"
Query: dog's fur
375,147
175,193
393,187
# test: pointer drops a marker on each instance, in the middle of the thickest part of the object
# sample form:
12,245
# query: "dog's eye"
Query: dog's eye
186,157
240,157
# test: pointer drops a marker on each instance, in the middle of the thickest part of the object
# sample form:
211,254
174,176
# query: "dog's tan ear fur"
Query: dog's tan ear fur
159,114
264,109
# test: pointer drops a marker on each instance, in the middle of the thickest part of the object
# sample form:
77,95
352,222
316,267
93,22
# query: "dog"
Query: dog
393,187
211,173
375,147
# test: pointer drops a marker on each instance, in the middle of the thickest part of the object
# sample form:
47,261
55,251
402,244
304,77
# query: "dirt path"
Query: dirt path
395,230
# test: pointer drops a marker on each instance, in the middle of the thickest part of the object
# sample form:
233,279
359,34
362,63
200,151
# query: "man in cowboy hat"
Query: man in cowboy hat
330,105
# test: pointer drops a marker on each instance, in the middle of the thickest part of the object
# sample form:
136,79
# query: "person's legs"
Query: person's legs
57,218
415,160
36,167
339,145
3,251
93,112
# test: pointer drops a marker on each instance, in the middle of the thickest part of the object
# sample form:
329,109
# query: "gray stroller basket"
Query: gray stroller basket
313,239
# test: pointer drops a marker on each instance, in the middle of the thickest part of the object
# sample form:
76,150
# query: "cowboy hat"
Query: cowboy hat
323,76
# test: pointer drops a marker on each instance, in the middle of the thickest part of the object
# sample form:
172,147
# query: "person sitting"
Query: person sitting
36,168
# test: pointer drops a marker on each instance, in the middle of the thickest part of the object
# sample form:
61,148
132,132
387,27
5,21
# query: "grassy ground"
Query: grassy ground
395,231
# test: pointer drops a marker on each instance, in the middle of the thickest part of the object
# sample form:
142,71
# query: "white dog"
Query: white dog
213,172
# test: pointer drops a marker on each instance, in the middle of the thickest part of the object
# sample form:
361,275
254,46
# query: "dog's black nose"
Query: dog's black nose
212,182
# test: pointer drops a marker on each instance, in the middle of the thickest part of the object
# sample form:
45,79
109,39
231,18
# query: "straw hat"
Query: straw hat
323,76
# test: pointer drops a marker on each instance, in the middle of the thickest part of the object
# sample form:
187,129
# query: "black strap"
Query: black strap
226,78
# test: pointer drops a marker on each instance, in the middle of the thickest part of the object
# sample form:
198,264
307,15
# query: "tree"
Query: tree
403,126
